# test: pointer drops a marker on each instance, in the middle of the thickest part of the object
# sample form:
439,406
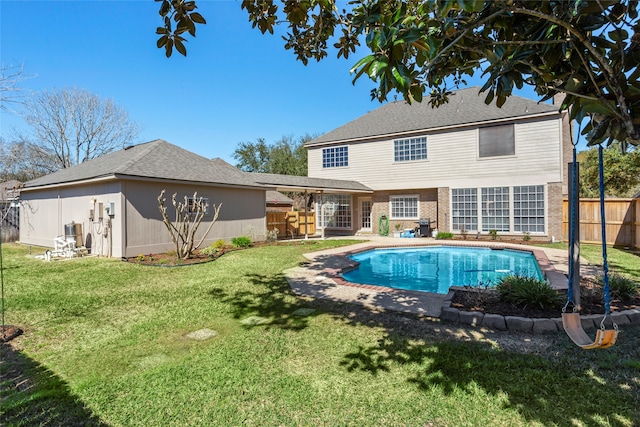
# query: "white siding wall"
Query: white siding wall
452,161
43,214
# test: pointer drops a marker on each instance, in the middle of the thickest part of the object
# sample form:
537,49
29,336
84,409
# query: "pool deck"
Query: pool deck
320,277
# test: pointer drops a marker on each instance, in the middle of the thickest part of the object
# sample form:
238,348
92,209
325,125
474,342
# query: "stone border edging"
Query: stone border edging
526,324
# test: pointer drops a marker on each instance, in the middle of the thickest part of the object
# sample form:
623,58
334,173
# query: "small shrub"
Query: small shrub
493,234
622,287
219,244
210,251
442,235
140,258
242,241
272,235
480,295
526,236
524,291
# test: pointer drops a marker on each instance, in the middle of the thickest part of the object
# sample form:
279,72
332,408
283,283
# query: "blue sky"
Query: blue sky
235,85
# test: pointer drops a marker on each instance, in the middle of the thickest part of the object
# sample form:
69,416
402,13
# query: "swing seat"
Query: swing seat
573,327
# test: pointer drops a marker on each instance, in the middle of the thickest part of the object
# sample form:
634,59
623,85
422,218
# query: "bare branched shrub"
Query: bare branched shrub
189,215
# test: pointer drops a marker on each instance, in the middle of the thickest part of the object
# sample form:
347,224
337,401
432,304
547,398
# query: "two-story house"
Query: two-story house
467,166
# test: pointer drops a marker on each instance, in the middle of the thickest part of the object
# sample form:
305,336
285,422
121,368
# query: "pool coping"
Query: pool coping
320,278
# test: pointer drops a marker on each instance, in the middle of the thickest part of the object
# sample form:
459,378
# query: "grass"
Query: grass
105,344
620,261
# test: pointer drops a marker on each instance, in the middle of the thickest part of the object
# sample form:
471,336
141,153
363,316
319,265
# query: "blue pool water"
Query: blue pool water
436,268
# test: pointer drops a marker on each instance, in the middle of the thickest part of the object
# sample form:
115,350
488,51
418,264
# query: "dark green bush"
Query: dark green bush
242,242
622,287
524,291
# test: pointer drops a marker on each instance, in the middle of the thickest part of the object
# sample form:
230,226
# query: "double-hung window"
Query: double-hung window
335,157
196,204
464,209
528,209
406,150
404,207
495,209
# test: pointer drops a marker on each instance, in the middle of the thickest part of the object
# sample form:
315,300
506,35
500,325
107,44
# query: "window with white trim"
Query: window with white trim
335,157
496,141
406,150
528,209
464,209
334,211
404,207
192,205
495,209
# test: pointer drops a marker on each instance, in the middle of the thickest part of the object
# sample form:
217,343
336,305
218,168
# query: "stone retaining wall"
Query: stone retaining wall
525,324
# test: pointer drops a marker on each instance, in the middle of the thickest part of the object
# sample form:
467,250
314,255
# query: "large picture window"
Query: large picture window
334,211
405,150
495,209
528,209
335,157
404,207
519,209
496,141
464,209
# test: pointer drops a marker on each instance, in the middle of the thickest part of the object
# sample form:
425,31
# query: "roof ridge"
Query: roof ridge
149,145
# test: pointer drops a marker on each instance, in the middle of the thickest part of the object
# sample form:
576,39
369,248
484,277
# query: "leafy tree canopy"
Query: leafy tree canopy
286,156
588,50
621,172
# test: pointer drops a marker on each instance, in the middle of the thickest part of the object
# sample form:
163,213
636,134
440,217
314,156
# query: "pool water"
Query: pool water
436,268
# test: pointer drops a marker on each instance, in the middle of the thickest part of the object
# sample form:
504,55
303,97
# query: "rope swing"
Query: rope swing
571,321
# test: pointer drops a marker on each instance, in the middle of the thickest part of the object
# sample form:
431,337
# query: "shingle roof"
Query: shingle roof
157,160
465,107
9,189
278,197
302,183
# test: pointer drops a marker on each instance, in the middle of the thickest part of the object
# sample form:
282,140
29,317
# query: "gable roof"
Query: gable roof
465,107
305,183
277,197
156,160
9,189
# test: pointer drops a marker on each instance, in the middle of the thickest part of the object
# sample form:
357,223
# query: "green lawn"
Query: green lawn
105,344
620,261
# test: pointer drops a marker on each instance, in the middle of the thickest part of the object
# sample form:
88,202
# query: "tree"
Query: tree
76,125
188,217
588,50
286,156
10,91
621,172
24,161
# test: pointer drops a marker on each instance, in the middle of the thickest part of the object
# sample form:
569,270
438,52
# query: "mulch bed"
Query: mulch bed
488,301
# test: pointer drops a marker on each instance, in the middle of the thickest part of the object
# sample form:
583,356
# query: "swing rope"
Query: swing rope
605,261
571,321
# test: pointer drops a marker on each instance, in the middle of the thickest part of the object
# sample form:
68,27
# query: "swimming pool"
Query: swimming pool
436,268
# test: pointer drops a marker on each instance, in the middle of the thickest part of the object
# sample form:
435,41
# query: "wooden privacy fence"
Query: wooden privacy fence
9,222
622,218
292,224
